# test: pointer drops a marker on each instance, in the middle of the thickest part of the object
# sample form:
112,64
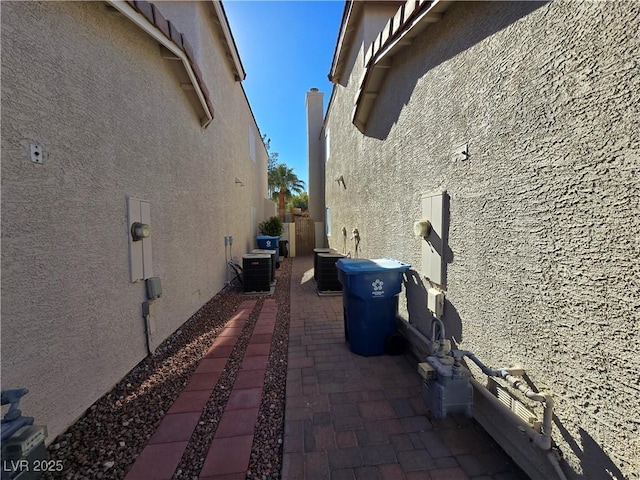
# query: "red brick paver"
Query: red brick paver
352,417
163,452
230,451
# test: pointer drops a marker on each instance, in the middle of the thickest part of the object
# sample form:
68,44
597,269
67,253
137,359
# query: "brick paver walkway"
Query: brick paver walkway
230,451
353,417
161,456
347,416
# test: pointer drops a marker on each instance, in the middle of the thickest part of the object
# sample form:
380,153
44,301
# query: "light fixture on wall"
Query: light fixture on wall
340,180
140,231
239,182
422,228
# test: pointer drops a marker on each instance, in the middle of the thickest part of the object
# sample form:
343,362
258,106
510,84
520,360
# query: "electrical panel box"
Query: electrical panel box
154,288
140,253
435,302
433,210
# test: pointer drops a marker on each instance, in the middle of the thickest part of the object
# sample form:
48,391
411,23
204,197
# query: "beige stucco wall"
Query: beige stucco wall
92,89
544,216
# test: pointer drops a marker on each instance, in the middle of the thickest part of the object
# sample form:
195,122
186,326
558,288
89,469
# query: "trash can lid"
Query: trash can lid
265,237
357,265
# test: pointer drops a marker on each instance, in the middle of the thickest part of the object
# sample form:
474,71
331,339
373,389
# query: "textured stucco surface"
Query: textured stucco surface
92,89
543,245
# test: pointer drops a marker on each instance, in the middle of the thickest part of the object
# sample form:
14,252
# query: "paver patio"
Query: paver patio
346,417
353,417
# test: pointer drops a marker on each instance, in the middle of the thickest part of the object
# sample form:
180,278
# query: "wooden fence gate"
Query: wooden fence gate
305,236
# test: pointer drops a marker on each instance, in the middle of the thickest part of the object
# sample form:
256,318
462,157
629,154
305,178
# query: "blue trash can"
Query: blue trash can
267,242
370,301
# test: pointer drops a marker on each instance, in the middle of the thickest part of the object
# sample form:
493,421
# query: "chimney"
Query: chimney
315,160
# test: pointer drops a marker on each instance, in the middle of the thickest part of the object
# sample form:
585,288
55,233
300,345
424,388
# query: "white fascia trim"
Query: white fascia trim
137,18
228,36
334,75
426,16
387,48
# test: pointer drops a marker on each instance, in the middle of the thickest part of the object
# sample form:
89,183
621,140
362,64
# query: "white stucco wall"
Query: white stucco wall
92,89
543,266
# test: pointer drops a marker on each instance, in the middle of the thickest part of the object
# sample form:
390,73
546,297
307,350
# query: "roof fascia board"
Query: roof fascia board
398,40
228,36
345,30
391,40
139,19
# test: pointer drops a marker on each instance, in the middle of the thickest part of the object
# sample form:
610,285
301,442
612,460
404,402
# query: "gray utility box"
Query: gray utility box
447,388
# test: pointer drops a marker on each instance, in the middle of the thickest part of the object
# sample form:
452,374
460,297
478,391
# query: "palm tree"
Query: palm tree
282,182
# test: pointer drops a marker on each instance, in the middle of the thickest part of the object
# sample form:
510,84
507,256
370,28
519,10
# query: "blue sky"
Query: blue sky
286,47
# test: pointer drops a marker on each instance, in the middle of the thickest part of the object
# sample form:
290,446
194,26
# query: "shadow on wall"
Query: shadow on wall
446,253
464,25
595,462
420,317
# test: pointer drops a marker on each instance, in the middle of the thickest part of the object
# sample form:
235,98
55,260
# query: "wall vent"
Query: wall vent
512,403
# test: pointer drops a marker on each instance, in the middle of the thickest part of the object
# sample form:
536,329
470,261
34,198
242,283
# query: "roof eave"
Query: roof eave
410,19
230,43
345,38
127,9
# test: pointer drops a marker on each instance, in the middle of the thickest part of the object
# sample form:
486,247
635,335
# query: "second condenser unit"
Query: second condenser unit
327,273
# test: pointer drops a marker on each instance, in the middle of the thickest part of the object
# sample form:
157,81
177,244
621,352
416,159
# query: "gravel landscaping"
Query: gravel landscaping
104,442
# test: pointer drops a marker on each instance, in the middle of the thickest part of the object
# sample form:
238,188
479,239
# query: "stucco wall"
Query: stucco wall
544,216
92,89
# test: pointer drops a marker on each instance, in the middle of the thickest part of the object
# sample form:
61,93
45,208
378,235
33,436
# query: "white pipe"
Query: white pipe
435,321
556,465
522,425
542,440
538,439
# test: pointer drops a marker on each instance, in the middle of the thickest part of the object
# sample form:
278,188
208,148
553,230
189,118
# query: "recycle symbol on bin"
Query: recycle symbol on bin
268,243
378,284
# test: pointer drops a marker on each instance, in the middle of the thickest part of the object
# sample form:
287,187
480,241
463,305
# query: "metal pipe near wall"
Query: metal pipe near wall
147,326
434,322
522,426
541,440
